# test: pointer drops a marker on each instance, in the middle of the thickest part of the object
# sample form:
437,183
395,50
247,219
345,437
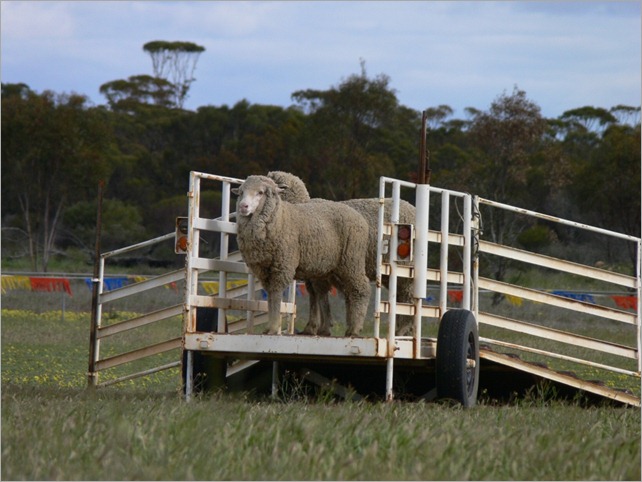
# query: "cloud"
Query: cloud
457,53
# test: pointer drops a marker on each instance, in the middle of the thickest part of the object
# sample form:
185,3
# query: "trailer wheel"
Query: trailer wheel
457,364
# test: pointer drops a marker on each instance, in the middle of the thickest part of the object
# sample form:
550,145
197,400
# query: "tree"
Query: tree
593,119
176,63
138,90
347,135
54,150
507,137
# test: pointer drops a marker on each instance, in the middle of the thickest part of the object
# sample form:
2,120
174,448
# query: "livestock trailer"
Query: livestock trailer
483,319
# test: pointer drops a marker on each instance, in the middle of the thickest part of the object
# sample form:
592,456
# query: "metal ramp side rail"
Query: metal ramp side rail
291,346
99,333
565,305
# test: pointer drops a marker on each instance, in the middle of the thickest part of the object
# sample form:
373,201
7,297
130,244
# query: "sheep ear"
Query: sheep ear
236,190
282,187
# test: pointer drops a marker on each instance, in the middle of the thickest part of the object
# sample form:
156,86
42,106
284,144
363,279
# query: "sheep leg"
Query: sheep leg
326,315
320,321
357,299
312,325
274,312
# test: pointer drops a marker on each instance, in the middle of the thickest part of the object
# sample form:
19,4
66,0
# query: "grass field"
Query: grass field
54,428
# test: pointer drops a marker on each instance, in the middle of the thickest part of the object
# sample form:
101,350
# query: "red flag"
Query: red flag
455,296
50,284
626,302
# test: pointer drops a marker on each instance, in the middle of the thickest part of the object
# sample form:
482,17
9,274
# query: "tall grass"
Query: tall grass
54,428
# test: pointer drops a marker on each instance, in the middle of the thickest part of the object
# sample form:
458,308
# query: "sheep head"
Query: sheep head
293,189
253,193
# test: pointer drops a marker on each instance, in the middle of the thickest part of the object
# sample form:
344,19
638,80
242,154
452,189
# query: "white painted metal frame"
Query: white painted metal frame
419,271
616,315
103,332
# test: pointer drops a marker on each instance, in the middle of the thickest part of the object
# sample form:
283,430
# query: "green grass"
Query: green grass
54,428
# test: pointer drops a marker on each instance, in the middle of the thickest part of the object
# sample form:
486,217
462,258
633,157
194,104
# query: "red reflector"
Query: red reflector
182,243
403,232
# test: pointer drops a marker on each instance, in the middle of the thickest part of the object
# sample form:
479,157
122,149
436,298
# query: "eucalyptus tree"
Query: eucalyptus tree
176,63
55,148
354,133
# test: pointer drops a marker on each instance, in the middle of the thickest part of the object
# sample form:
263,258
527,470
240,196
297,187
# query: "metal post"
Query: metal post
292,299
476,241
467,251
189,376
443,253
92,379
222,276
191,274
275,379
251,288
392,292
377,307
638,274
420,260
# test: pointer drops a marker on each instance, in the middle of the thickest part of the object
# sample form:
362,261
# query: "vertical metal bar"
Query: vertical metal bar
377,309
420,260
189,376
638,274
421,241
222,275
443,253
292,299
251,288
476,241
392,291
191,274
92,379
275,379
467,251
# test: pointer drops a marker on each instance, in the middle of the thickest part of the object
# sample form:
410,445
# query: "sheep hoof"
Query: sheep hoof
308,330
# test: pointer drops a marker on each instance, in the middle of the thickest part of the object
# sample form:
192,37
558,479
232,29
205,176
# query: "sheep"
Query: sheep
280,241
293,190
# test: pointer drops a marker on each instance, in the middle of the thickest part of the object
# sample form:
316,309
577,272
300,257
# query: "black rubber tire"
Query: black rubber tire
458,342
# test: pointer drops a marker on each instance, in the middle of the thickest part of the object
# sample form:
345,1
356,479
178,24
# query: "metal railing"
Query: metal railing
101,333
560,305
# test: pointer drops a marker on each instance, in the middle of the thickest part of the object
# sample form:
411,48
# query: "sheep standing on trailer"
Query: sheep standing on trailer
281,242
293,190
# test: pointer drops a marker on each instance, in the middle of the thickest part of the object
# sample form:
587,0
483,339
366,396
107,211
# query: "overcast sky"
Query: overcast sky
463,54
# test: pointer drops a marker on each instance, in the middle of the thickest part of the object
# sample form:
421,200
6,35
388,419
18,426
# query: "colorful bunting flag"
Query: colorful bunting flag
50,284
585,297
626,302
10,282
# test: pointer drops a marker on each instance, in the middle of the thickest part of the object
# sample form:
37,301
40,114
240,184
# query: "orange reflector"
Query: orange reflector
403,250
182,243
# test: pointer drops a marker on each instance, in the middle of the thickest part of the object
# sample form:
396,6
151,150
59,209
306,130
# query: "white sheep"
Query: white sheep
323,241
293,190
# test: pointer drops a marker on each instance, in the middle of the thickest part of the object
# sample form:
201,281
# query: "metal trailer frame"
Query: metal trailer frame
237,339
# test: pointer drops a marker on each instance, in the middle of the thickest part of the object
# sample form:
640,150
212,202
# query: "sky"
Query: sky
564,55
